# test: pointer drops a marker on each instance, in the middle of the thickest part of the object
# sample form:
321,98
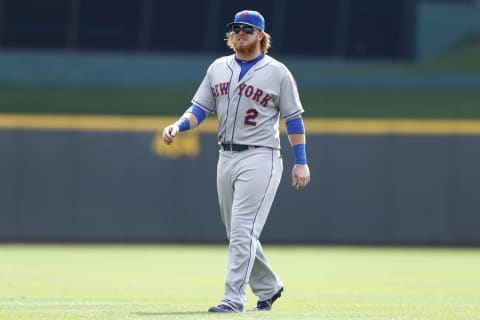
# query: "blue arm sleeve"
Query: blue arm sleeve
300,154
183,124
295,126
198,112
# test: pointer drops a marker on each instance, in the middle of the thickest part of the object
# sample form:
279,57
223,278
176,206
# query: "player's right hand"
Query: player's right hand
169,133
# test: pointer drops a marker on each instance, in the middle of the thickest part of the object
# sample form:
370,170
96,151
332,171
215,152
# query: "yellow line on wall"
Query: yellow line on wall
314,126
83,122
393,126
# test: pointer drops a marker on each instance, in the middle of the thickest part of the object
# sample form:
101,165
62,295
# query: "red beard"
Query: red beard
245,49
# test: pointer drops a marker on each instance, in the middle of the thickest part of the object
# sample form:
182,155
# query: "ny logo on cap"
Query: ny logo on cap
244,14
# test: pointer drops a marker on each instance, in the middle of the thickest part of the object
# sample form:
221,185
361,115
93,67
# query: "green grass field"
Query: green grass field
445,104
181,282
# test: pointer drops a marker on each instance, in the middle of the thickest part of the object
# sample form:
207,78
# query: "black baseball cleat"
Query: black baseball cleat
266,305
221,308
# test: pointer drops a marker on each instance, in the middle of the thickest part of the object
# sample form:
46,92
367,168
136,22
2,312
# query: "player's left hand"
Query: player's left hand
300,176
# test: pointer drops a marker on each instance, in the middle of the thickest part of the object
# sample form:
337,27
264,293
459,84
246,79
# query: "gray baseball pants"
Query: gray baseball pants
247,182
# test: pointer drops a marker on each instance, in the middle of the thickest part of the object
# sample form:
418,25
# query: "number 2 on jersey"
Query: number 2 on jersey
250,117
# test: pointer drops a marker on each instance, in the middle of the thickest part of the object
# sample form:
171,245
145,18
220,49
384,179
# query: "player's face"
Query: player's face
245,37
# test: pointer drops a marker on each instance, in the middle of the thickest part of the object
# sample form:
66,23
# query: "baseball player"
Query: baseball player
249,91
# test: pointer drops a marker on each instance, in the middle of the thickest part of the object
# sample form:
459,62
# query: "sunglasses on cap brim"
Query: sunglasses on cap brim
246,28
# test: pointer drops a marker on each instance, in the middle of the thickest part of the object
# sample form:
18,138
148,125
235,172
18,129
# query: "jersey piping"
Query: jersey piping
202,107
223,129
293,114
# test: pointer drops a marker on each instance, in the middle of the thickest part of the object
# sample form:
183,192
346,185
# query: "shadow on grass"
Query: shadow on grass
179,313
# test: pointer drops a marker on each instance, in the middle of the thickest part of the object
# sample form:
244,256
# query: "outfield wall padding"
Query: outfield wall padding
112,187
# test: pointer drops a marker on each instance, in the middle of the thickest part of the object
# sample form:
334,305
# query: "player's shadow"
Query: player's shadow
158,314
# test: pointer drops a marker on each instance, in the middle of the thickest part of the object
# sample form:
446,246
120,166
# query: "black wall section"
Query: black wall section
364,29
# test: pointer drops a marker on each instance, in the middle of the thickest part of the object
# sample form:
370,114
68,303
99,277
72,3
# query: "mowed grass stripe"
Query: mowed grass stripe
162,101
181,282
314,126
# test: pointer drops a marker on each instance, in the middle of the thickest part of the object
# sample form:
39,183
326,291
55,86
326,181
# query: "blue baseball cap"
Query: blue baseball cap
250,17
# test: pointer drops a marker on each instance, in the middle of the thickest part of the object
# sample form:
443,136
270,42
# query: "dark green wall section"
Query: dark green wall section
103,186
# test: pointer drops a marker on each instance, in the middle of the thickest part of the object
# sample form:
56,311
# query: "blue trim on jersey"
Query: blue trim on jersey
235,119
295,126
293,114
202,106
255,219
247,65
224,126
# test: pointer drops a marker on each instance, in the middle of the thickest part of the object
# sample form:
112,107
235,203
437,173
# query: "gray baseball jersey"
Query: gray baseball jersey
249,109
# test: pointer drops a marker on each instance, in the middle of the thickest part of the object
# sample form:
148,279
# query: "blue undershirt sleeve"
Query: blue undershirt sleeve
295,126
198,112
